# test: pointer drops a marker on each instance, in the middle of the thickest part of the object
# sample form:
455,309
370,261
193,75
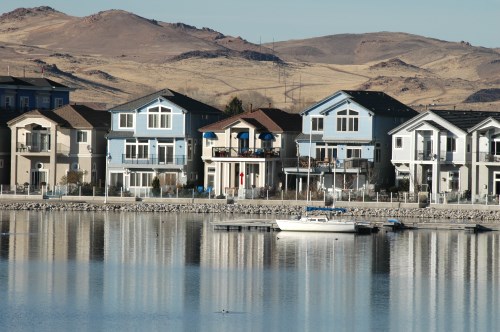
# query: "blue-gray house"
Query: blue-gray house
157,136
19,95
345,143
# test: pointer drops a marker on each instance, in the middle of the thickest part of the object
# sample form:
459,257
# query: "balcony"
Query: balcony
41,148
30,147
226,152
328,165
488,157
154,160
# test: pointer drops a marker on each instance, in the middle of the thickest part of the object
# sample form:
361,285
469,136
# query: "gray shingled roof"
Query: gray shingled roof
30,81
187,103
465,119
381,103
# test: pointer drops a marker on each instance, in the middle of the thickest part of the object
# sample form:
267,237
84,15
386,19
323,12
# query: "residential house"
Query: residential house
47,144
18,95
244,153
449,151
344,142
157,136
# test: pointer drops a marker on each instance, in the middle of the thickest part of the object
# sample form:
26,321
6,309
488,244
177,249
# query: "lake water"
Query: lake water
62,271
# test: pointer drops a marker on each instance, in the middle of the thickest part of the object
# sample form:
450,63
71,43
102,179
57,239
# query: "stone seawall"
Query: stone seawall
490,216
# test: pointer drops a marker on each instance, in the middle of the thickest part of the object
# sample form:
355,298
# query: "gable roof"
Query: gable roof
380,103
38,82
187,103
465,119
377,102
72,116
269,119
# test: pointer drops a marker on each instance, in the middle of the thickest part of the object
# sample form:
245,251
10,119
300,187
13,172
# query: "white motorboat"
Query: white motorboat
318,223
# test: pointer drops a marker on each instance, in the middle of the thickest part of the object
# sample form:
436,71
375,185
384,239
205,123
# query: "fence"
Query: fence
264,193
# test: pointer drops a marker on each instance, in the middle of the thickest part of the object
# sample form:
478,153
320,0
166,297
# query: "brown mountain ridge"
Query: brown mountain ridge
115,55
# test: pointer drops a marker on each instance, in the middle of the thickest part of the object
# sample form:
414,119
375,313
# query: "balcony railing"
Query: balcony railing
21,147
154,160
327,164
488,157
225,152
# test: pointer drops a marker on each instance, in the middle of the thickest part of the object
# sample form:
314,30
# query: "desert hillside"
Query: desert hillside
113,56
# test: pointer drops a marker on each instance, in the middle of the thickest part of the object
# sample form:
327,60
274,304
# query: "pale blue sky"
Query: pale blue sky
477,22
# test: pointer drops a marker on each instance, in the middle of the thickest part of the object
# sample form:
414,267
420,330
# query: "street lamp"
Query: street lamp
108,158
309,160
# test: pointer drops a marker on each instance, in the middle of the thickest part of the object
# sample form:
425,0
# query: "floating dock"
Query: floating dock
268,225
262,225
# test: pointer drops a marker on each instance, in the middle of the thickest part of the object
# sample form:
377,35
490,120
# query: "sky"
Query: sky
477,22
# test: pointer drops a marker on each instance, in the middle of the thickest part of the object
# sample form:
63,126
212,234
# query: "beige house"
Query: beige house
244,153
46,145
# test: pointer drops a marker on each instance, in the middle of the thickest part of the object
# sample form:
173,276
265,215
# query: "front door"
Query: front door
39,177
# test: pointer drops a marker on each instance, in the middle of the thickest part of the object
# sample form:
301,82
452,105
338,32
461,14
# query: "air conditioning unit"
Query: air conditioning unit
89,148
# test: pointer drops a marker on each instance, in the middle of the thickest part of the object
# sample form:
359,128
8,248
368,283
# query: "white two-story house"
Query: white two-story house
449,151
245,152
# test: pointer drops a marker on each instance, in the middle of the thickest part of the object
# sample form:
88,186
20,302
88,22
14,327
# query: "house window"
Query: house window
332,153
347,120
141,179
58,102
189,149
166,152
210,181
209,142
317,124
378,153
266,145
81,136
451,144
321,151
495,148
9,102
398,144
159,117
136,149
25,103
353,153
126,120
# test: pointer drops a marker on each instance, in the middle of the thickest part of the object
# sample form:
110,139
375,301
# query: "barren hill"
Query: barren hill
115,55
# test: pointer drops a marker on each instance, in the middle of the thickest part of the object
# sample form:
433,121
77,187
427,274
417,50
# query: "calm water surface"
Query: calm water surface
172,272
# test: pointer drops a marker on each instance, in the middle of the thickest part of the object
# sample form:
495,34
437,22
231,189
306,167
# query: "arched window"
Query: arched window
159,117
347,120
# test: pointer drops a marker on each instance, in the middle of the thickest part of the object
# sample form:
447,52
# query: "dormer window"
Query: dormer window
159,117
347,120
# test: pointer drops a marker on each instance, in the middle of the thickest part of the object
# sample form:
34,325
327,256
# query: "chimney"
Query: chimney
251,108
269,105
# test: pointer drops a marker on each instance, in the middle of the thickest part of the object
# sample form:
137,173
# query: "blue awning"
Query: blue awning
243,135
209,134
266,136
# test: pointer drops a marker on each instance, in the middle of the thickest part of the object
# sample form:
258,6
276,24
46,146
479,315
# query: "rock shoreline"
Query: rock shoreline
423,214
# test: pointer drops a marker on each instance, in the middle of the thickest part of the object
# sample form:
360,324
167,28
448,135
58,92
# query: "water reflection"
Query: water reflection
173,271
